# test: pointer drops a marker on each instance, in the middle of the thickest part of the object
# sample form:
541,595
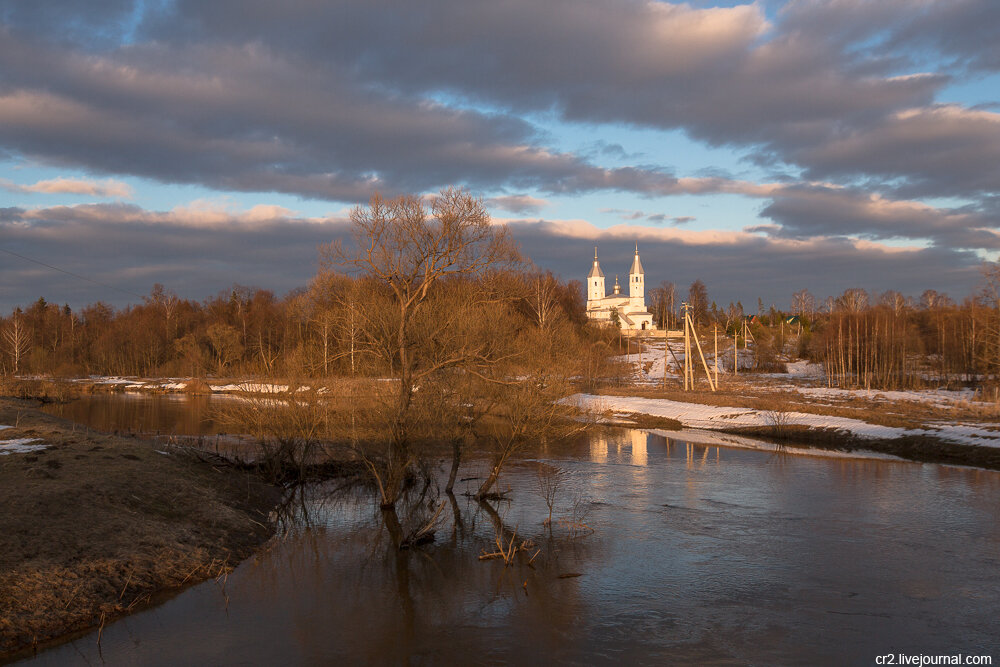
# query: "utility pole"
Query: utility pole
666,344
639,342
688,380
736,350
701,355
715,328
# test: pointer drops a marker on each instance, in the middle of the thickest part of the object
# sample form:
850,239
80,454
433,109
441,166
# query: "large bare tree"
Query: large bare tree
409,248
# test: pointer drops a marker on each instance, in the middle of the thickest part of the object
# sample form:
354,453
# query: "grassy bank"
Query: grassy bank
923,449
96,526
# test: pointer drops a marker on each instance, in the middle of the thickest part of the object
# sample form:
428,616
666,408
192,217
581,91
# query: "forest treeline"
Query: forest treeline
316,331
862,339
326,329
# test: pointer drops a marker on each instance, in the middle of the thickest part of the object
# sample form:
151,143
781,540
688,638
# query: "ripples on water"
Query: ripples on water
699,554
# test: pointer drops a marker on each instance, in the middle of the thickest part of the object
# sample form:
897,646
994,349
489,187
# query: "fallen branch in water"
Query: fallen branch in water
508,550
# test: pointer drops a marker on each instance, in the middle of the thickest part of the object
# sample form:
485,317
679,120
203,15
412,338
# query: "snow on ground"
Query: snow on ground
19,446
655,357
715,417
942,398
803,369
180,384
96,379
251,387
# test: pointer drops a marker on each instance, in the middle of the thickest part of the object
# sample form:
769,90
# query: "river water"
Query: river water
661,552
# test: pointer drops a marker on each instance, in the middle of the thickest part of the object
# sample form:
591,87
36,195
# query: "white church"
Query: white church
631,309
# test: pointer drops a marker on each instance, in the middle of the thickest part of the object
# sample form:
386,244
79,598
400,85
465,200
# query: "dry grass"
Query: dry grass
94,526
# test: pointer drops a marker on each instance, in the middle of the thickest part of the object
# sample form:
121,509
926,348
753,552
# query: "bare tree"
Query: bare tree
225,341
530,409
670,303
16,340
663,299
932,300
409,250
990,297
803,303
545,299
853,300
698,299
894,301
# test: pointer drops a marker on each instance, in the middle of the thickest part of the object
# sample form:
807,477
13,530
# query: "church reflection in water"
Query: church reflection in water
634,446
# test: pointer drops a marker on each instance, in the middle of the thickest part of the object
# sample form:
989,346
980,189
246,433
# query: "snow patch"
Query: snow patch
251,387
96,379
804,369
19,446
937,397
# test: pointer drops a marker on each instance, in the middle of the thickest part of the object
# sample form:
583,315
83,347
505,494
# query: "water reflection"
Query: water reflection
173,414
699,554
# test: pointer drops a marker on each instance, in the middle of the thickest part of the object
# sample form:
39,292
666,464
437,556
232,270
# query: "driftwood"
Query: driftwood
507,550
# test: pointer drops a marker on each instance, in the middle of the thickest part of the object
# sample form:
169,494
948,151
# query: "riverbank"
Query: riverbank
917,431
96,526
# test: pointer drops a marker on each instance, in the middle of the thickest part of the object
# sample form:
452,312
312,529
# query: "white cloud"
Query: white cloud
104,188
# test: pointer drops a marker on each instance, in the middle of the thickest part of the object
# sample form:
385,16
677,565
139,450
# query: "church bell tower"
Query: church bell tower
636,280
595,281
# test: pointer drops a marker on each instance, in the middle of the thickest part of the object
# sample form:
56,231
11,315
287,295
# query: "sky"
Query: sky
762,148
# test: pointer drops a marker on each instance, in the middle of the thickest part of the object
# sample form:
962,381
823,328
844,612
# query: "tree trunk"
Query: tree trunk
456,459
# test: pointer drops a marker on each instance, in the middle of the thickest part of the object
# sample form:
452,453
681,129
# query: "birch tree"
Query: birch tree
16,341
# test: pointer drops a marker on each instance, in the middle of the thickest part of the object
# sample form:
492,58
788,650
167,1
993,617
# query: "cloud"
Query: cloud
725,74
519,204
657,218
745,266
623,213
200,249
961,29
218,116
942,150
199,213
106,188
247,95
803,212
196,249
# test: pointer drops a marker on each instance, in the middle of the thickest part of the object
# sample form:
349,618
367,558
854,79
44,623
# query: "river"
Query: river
662,552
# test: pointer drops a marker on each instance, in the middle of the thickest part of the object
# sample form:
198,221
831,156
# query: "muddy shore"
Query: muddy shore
96,526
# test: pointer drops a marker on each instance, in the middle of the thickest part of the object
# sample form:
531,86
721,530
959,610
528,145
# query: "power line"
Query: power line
70,273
